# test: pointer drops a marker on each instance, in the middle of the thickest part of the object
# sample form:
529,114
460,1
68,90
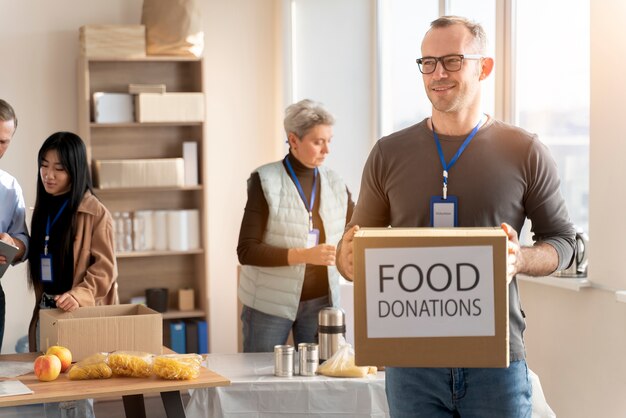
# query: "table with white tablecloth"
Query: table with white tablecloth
256,393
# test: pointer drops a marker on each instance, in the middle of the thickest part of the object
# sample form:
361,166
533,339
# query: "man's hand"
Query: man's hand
514,259
345,258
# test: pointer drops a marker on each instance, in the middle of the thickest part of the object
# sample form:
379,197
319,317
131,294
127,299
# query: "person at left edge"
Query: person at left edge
294,217
72,259
12,209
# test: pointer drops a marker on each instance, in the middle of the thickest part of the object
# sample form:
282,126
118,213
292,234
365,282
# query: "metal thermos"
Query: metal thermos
331,326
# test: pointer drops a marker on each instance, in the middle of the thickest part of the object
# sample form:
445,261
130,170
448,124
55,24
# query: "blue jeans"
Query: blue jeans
465,393
261,332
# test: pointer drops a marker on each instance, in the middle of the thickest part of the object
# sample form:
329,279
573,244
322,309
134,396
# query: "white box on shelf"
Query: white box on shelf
113,107
183,228
143,225
190,157
147,88
160,227
169,107
153,172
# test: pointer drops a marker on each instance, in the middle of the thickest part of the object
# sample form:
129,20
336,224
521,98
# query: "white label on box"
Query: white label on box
429,292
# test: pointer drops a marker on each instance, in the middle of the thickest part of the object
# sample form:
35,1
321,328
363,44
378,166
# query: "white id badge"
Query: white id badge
443,212
313,238
46,268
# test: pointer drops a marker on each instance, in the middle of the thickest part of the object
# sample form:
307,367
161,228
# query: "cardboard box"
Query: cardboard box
186,300
431,297
153,172
113,108
93,329
169,107
113,41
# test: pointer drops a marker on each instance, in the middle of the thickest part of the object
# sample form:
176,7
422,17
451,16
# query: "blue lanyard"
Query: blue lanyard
447,167
308,206
49,225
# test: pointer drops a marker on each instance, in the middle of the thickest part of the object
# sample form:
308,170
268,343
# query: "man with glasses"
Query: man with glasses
484,173
12,210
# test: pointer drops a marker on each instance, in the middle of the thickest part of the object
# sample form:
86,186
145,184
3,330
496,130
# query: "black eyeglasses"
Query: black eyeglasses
452,62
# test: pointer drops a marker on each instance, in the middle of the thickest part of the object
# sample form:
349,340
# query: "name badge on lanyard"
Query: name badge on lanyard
46,258
444,208
313,236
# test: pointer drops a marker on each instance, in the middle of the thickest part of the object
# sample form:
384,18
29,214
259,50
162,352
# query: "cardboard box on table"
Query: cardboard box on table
431,297
94,329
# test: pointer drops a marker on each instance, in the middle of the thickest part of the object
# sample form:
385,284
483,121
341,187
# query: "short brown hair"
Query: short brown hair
477,31
7,113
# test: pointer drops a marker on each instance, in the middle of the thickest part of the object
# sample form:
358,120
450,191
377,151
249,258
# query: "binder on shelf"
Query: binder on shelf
191,336
177,333
190,161
203,337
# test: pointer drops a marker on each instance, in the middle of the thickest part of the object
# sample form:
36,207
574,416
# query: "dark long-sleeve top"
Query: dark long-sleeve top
251,249
505,175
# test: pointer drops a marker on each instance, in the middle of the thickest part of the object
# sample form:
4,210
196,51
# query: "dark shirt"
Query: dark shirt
62,265
253,251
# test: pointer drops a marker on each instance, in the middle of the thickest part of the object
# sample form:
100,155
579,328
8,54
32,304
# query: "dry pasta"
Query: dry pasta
177,366
92,367
130,364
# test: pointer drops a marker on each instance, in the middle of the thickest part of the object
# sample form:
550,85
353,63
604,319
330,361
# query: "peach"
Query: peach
47,367
64,354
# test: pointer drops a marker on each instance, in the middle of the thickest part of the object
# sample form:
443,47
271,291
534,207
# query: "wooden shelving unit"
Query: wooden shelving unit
140,270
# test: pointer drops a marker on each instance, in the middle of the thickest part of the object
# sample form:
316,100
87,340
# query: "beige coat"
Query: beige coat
95,266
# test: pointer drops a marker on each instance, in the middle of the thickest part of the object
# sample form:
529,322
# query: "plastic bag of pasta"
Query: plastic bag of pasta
92,367
131,363
177,366
341,364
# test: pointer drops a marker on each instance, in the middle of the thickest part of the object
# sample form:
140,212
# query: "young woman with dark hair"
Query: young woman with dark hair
72,257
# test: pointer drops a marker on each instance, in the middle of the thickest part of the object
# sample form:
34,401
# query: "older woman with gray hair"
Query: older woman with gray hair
295,214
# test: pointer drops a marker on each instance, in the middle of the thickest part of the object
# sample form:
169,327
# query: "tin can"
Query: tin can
283,360
308,358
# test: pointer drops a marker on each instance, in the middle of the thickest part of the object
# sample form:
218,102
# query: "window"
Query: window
549,100
402,24
552,90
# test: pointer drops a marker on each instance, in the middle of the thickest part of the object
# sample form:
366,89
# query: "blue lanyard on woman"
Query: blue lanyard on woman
49,225
308,206
447,167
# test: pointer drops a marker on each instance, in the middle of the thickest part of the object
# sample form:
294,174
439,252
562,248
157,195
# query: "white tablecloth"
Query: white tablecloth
256,393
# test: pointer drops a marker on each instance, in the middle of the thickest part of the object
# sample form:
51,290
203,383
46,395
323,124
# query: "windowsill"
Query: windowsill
572,284
562,282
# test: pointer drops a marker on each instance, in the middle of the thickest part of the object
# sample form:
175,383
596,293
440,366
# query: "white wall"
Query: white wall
333,46
244,108
38,77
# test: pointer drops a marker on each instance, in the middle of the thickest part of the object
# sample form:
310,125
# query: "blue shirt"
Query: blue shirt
13,210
